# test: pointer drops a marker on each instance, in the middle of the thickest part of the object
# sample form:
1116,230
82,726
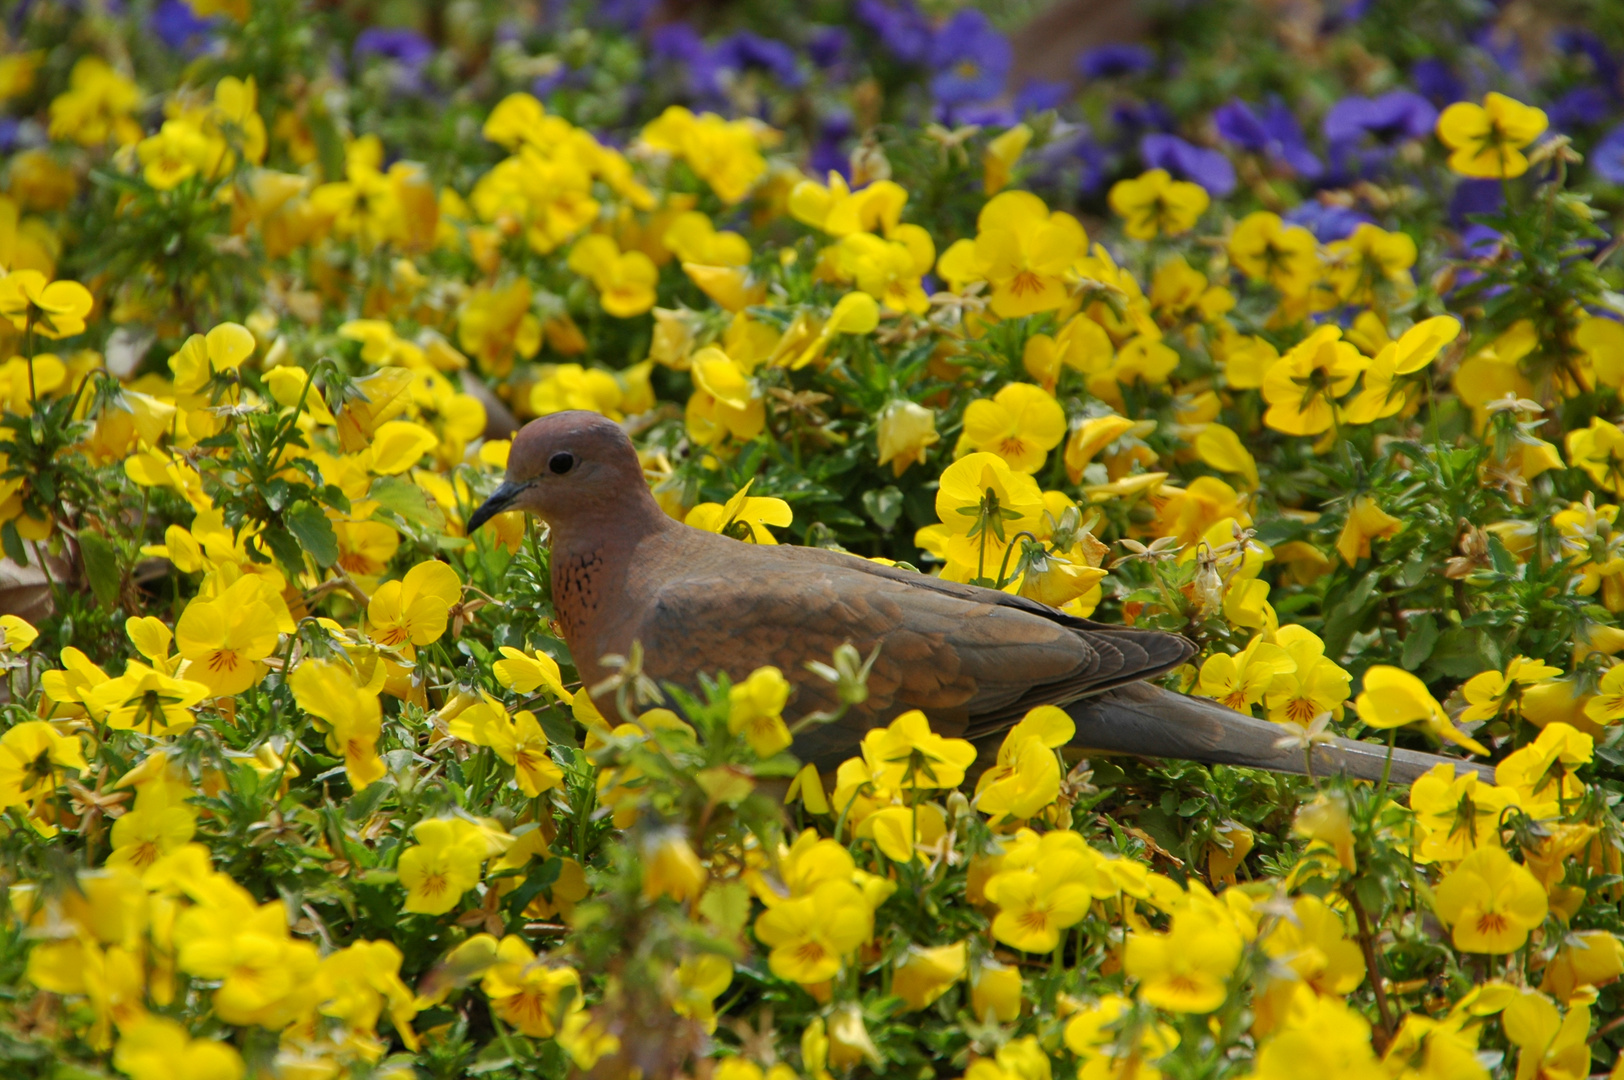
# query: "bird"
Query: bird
974,659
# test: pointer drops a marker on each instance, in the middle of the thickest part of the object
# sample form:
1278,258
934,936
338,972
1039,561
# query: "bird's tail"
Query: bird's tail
1148,721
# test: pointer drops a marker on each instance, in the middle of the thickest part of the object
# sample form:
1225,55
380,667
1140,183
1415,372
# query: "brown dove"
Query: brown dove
974,659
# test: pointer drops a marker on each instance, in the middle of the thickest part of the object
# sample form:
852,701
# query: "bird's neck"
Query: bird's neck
594,554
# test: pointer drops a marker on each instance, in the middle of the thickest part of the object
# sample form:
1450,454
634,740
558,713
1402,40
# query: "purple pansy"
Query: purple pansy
1577,42
1040,95
1475,197
746,51
1607,156
1209,168
1327,222
178,26
827,46
1436,82
1276,134
1393,117
828,153
1582,106
391,43
902,28
1111,61
971,59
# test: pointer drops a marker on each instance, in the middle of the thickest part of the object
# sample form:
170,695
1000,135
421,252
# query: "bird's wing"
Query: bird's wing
972,660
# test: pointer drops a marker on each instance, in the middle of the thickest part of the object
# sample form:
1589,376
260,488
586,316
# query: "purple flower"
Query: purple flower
828,154
1040,95
1209,168
1133,118
746,51
1111,61
625,15
828,46
1393,117
1475,197
1327,222
903,28
971,59
1575,42
1582,106
1437,83
403,46
1275,134
677,41
546,84
1607,156
178,27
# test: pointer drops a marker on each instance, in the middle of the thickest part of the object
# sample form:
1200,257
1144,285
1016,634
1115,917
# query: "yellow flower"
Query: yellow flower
415,609
1486,140
1587,958
996,989
1490,902
925,974
726,401
1266,249
1095,1034
1219,447
179,151
1366,522
1313,943
1491,693
724,153
525,673
1303,385
1033,908
1370,256
744,517
756,710
1003,151
1550,1046
532,996
693,238
907,755
148,701
517,740
1608,704
1392,697
1457,814
1155,204
1186,969
225,639
1241,681
97,105
147,833
904,430
810,936
625,280
1599,451
670,867
889,270
495,324
1022,251
441,866
17,633
204,356
1317,684
1021,424
1543,771
1026,777
158,1048
32,757
55,309
354,719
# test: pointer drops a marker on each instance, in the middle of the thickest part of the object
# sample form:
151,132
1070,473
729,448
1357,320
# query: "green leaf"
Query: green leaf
314,532
12,542
408,502
1418,646
884,506
540,879
101,567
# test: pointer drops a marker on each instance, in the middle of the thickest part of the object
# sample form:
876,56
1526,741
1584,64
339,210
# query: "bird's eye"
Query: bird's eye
562,462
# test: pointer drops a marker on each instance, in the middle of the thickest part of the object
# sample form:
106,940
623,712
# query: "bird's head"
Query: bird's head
565,464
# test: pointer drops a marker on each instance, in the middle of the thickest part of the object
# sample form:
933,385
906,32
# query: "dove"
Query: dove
975,660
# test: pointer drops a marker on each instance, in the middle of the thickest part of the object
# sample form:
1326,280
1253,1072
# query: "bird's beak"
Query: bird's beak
500,500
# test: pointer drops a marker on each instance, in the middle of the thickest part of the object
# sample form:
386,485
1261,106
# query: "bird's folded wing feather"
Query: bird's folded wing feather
971,664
